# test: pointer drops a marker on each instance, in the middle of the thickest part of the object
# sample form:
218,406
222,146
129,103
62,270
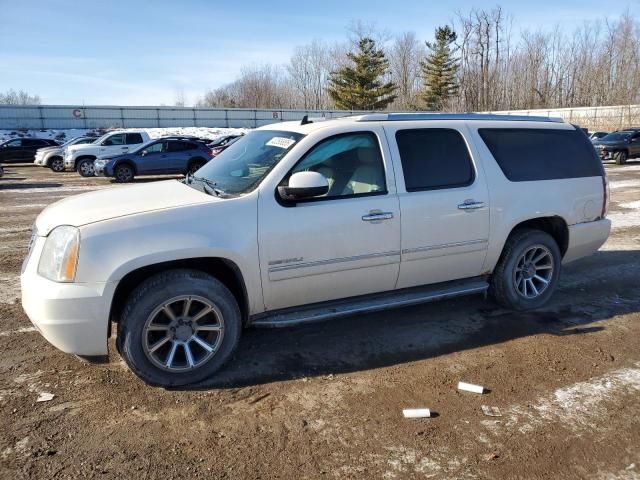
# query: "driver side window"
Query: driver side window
351,163
114,140
154,148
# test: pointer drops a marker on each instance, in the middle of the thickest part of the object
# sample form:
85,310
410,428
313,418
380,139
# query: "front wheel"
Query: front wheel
57,164
123,173
528,270
178,328
85,168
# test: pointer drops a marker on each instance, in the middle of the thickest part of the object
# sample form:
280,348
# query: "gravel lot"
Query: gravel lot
325,401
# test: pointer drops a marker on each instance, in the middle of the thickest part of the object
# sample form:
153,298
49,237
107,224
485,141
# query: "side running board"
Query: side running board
368,303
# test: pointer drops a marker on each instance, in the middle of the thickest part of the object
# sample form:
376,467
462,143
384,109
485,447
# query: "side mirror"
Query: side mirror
143,153
304,185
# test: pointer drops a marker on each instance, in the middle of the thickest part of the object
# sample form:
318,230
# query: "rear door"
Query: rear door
444,203
114,145
178,156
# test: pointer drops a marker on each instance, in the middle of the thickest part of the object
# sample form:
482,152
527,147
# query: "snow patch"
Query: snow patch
615,184
620,220
631,205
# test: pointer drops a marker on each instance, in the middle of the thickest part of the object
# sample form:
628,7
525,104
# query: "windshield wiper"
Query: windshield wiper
209,185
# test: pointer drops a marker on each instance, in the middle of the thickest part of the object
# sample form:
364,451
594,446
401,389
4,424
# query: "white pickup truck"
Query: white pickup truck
80,158
300,222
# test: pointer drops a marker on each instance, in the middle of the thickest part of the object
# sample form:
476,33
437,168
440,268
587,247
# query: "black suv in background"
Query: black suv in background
619,146
23,150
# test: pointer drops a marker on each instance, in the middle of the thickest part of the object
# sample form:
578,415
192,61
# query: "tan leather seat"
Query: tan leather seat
368,177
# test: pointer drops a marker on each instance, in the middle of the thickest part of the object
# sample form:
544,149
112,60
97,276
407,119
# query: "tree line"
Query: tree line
475,63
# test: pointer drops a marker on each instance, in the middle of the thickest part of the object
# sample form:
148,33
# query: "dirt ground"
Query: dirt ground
325,401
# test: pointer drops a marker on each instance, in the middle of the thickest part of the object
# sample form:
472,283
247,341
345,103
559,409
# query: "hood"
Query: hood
48,149
116,202
82,146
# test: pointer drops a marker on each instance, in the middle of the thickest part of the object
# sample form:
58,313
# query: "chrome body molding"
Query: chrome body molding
331,261
407,251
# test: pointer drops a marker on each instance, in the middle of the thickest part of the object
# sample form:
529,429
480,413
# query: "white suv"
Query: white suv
81,157
299,222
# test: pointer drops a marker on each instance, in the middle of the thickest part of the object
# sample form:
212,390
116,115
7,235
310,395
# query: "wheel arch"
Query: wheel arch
222,269
554,225
128,162
81,158
51,158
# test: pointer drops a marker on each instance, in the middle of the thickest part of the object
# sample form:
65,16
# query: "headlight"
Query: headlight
100,163
60,254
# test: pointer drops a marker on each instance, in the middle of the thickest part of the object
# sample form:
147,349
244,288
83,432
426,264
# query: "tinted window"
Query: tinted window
175,146
133,138
14,143
114,140
351,163
33,143
153,148
434,158
542,154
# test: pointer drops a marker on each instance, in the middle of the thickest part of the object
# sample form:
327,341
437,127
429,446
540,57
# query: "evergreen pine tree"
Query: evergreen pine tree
359,86
439,70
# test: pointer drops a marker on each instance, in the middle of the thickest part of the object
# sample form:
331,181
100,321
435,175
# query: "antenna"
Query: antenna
305,120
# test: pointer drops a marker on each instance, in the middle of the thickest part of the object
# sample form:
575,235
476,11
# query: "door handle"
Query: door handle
374,216
470,205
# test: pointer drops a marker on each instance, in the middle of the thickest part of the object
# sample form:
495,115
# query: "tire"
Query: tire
123,173
621,157
195,165
56,164
1,171
85,168
509,279
146,306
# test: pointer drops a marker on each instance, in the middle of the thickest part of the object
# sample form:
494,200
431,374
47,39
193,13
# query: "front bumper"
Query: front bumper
73,317
586,238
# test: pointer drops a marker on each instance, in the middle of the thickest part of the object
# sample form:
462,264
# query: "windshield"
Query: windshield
242,166
616,136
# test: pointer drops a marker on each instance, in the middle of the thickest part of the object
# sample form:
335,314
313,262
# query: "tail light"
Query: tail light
606,195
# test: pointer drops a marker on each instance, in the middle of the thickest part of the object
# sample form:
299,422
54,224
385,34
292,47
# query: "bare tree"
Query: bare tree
12,97
405,55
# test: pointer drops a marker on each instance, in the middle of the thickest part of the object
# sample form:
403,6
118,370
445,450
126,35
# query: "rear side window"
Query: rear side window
434,158
33,143
133,138
529,154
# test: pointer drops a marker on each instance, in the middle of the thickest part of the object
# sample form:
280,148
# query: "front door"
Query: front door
444,202
153,159
342,244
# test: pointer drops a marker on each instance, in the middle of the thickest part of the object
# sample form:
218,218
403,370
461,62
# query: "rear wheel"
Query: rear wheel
621,157
85,167
527,273
178,328
57,164
123,173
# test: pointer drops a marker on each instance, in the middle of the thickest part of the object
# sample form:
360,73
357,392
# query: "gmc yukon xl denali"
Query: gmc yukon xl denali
304,221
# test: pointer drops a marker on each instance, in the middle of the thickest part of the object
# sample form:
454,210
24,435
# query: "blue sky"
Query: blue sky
141,52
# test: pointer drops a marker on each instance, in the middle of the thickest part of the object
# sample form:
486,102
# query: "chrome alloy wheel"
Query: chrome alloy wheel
533,272
183,333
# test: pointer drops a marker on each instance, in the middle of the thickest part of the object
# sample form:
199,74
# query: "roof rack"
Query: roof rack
395,117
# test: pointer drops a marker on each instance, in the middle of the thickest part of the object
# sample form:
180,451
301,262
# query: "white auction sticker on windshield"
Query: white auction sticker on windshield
280,142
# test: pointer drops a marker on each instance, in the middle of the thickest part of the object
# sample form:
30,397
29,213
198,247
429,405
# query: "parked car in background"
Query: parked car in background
619,146
23,150
81,157
217,147
301,222
168,155
53,157
597,135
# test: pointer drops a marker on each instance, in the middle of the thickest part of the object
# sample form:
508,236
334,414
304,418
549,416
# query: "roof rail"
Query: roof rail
395,117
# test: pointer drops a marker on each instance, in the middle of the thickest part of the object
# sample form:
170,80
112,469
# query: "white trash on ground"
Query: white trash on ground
416,413
470,387
45,397
491,411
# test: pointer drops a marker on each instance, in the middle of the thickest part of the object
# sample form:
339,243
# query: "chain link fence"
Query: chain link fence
595,119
